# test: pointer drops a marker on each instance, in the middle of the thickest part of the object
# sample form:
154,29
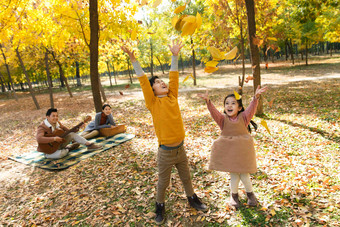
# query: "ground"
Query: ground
297,182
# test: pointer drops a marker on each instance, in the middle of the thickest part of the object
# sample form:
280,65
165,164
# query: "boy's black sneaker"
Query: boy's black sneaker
196,203
160,213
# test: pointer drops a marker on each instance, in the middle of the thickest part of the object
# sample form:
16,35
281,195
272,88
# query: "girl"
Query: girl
234,150
103,119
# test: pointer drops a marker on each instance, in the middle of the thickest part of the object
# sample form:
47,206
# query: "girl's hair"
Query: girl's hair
105,105
240,105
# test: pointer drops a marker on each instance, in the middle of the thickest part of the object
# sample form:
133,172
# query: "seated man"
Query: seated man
46,139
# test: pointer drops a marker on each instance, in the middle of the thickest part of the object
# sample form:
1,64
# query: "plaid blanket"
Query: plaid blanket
38,159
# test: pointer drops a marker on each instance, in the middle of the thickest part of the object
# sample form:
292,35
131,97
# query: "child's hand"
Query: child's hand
131,54
204,96
259,91
176,47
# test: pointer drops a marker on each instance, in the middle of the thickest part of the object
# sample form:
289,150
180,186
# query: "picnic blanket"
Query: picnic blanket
38,159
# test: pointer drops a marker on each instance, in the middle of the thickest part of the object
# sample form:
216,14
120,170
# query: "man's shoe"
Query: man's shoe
93,147
252,201
234,201
72,146
196,203
160,213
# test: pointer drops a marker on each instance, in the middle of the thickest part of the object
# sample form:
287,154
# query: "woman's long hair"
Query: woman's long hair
240,105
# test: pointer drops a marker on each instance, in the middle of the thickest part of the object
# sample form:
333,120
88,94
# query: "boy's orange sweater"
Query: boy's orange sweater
165,111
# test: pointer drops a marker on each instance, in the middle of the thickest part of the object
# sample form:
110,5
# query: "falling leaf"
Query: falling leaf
180,23
198,20
271,102
215,53
209,69
257,41
121,93
190,19
186,78
156,3
231,54
249,77
211,63
237,57
174,21
272,38
254,66
237,95
127,86
188,28
151,33
173,0
140,22
180,9
144,2
134,34
264,123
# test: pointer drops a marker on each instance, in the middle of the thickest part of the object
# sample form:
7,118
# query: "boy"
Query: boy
162,102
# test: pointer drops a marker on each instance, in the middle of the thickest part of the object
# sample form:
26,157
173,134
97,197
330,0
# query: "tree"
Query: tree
254,51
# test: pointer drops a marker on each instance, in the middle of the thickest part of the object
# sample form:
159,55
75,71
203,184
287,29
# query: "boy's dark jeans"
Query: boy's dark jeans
166,159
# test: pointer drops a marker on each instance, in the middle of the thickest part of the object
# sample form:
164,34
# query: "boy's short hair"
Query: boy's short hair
51,110
152,80
105,105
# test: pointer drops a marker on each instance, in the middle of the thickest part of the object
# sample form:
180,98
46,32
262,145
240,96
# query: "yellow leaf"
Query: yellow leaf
272,38
144,2
173,0
134,34
190,19
272,212
180,23
186,78
180,9
231,54
188,28
209,69
237,96
198,20
156,3
211,63
174,21
192,76
264,124
271,102
215,53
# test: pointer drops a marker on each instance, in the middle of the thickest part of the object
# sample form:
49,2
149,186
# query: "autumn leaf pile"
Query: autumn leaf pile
297,182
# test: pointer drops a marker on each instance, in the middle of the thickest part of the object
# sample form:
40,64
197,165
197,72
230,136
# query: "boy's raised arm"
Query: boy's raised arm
138,69
173,79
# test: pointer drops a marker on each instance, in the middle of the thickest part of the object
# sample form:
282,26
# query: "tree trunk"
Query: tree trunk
78,75
160,64
9,75
130,76
241,81
108,69
286,51
49,79
61,73
114,73
182,63
306,51
28,80
151,59
2,80
254,51
265,56
291,50
102,90
193,61
94,27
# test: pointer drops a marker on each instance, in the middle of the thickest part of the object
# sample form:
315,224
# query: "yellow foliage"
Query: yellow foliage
156,3
134,34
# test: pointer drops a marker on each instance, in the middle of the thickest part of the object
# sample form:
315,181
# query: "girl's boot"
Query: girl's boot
234,201
252,201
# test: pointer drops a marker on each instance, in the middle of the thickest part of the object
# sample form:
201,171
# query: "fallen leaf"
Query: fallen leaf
127,86
121,93
271,102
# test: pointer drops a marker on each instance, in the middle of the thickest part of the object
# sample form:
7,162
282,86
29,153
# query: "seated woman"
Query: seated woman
103,119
